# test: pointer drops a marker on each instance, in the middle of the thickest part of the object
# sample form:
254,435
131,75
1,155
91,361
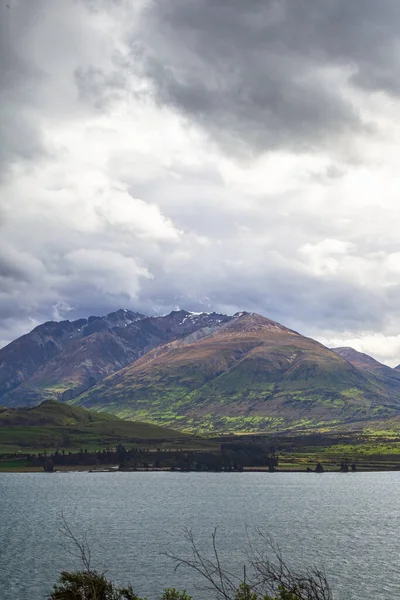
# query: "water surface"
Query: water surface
348,524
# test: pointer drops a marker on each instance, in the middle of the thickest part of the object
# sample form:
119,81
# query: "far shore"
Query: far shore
115,469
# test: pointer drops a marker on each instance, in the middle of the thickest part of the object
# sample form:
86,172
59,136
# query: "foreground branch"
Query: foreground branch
271,578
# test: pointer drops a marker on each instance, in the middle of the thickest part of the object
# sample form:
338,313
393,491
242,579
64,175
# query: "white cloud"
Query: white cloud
115,192
385,348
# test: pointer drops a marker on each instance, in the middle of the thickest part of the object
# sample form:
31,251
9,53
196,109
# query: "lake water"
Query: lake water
349,524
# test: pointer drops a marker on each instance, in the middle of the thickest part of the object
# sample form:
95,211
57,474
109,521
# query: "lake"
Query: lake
348,524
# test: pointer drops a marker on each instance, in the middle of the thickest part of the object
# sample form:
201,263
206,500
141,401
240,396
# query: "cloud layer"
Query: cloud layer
205,154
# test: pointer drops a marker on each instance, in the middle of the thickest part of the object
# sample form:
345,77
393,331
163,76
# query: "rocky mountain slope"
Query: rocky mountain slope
61,360
250,374
197,372
22,357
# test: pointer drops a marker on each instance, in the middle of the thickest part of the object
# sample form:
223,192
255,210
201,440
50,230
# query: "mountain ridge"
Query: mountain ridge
59,360
197,372
387,376
251,372
23,356
362,359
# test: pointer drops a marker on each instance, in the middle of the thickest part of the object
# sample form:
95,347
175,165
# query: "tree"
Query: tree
86,584
271,578
173,594
89,585
48,466
121,453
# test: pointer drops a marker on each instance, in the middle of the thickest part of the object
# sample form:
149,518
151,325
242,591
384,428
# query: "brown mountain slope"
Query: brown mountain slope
361,360
250,374
103,347
387,376
79,366
20,359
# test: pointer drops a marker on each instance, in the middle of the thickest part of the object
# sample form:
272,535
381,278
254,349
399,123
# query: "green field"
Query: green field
53,425
373,445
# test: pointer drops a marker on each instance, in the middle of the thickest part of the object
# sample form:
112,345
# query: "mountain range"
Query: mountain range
197,372
59,360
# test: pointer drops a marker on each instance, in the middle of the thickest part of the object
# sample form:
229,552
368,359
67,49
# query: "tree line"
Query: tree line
229,457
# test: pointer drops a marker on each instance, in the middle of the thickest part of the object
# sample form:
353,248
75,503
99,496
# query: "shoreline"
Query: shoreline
115,469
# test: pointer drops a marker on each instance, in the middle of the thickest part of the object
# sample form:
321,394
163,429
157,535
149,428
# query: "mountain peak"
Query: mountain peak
249,373
197,369
123,314
364,362
250,321
357,357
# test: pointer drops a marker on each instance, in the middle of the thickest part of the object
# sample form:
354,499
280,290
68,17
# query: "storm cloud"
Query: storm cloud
256,76
202,154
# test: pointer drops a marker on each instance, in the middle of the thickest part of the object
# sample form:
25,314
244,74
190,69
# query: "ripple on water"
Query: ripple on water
347,523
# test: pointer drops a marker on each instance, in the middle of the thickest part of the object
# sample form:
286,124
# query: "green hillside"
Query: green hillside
54,425
251,375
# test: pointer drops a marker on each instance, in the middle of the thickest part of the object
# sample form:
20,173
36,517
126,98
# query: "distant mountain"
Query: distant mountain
61,360
387,376
250,374
361,360
197,372
22,357
54,424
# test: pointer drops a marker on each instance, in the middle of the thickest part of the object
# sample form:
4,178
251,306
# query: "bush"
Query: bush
271,578
90,585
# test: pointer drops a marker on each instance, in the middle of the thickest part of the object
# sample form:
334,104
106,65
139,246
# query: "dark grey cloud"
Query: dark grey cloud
112,196
269,74
20,137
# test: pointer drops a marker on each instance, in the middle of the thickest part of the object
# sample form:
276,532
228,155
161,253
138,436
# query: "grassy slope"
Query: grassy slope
252,375
52,424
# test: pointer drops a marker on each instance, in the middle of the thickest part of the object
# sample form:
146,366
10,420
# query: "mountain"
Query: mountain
22,357
197,372
61,360
362,361
54,424
386,375
249,374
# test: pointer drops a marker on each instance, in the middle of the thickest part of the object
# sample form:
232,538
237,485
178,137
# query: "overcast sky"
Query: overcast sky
204,154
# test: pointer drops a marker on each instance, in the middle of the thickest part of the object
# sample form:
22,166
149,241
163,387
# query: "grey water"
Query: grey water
348,524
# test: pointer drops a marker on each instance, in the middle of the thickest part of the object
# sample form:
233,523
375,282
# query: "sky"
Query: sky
203,154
